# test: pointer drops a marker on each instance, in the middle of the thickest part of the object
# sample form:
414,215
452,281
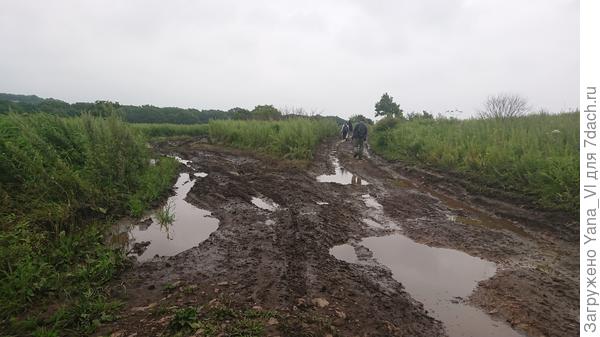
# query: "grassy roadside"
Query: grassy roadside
293,139
536,156
62,180
172,130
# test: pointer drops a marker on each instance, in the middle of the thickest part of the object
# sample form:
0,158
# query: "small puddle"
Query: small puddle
437,277
263,204
321,203
201,174
341,176
191,226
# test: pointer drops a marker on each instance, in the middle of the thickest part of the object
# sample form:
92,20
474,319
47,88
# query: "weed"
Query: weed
185,320
165,214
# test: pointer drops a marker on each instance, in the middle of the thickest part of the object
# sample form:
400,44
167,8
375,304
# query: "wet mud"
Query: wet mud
278,223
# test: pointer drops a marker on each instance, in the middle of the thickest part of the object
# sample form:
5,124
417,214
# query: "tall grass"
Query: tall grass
172,130
524,154
294,139
61,180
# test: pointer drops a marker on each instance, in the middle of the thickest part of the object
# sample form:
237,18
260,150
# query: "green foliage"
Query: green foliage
415,115
55,169
185,321
240,113
61,179
74,267
172,130
288,139
387,107
521,154
265,112
29,99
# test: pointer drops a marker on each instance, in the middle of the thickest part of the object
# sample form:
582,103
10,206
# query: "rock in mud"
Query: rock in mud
320,302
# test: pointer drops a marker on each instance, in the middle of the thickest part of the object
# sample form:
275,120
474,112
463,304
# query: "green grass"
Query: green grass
519,155
172,130
219,321
294,139
62,180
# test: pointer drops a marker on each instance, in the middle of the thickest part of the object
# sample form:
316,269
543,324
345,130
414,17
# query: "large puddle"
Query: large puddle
190,226
341,176
437,277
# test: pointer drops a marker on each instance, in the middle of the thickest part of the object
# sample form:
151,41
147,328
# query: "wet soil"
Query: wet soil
278,223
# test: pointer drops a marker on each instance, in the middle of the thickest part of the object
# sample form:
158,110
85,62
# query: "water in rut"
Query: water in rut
341,175
439,278
191,226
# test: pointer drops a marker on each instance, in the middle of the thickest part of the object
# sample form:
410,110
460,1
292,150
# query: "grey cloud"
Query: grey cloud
334,56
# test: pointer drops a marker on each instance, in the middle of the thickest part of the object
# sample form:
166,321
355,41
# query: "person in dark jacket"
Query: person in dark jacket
344,131
359,135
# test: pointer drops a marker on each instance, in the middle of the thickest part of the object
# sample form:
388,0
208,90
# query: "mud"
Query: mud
278,259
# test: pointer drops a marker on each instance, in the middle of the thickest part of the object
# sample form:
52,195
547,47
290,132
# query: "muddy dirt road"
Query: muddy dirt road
356,248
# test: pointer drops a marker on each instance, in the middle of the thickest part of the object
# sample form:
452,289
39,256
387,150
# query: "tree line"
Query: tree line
132,113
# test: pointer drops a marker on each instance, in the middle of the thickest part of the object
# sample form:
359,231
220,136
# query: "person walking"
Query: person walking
345,132
359,136
349,128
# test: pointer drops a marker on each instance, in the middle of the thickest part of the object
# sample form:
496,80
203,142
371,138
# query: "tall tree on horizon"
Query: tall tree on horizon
387,107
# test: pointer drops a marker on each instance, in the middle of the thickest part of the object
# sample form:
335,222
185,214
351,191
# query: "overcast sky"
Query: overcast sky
336,57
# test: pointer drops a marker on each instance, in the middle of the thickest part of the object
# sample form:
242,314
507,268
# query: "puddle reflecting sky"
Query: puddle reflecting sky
341,176
192,225
435,276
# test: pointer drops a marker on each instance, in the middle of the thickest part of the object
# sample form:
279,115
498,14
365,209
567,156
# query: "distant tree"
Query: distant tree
415,115
360,118
105,108
387,107
239,113
265,112
503,106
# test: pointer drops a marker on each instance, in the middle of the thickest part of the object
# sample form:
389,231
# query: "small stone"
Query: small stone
164,320
224,283
320,302
117,334
338,322
340,314
257,308
272,321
